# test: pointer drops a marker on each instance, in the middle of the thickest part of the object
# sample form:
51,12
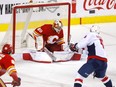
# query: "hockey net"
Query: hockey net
25,18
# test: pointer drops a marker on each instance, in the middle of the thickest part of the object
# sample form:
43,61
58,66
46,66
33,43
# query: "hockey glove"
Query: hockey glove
16,83
73,47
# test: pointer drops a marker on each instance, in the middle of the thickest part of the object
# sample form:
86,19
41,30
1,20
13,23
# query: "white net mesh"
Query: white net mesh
28,17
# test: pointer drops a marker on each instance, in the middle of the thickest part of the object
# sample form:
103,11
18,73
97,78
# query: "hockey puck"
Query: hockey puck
58,14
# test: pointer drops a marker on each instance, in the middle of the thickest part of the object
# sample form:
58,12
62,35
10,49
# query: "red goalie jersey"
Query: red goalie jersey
52,35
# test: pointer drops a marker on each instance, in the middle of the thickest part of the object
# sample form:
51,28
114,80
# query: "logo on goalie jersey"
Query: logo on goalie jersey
52,9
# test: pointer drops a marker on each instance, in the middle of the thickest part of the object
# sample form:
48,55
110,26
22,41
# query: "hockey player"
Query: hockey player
7,64
97,60
52,35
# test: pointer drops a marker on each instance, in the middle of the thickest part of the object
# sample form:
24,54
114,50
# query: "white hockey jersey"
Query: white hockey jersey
94,44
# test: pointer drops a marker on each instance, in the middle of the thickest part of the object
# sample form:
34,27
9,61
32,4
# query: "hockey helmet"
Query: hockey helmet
57,25
95,29
7,49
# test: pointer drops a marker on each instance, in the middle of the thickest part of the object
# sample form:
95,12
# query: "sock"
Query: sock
78,82
107,82
77,85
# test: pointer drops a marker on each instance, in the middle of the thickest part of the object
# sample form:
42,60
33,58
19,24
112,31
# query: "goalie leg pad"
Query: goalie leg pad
27,56
76,56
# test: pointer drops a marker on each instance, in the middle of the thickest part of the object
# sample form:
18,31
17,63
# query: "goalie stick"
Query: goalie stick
3,84
50,54
9,83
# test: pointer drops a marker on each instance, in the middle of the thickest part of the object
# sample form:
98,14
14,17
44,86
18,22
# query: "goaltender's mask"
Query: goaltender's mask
57,25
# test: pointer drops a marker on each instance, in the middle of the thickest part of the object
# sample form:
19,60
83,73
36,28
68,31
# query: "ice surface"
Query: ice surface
62,74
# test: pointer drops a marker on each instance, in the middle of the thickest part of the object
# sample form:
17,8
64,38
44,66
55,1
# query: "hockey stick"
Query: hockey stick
31,35
50,54
7,82
3,84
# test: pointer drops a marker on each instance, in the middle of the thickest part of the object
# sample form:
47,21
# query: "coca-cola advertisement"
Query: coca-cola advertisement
79,8
95,7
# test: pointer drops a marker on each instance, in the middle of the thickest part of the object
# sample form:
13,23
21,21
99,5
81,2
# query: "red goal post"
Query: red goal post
25,18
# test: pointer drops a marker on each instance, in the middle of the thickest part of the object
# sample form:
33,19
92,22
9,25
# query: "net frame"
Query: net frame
38,5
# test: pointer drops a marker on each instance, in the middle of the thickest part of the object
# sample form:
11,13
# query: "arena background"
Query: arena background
82,11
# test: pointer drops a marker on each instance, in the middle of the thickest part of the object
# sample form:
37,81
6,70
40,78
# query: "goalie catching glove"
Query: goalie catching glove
73,47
